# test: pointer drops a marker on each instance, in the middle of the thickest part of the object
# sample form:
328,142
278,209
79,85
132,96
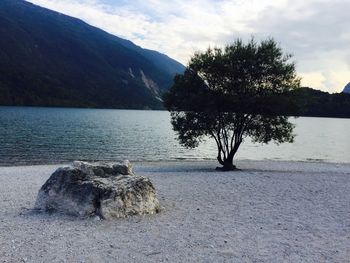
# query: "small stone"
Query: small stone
153,253
97,218
227,253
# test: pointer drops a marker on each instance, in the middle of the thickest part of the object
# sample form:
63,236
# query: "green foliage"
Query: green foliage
231,93
317,103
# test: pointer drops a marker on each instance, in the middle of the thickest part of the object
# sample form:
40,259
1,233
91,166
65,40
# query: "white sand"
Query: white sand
269,212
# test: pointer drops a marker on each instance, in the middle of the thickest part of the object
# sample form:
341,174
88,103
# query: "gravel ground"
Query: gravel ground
268,212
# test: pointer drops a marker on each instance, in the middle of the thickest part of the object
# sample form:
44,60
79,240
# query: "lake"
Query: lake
33,135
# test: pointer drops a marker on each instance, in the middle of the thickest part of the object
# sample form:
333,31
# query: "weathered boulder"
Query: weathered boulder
103,190
104,169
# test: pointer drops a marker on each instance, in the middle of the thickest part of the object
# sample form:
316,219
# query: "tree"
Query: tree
231,93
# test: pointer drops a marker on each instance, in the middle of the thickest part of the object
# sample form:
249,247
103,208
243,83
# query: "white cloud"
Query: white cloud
315,31
313,78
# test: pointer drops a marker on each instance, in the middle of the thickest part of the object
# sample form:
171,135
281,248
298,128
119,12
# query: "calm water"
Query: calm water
54,135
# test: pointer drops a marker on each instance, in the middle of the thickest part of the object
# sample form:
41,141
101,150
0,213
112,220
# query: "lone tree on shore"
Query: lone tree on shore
231,93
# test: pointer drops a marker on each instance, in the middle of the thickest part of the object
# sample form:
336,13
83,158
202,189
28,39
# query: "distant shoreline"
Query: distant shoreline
149,109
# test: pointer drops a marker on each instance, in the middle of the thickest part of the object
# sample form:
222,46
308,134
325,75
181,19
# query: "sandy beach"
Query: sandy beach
270,211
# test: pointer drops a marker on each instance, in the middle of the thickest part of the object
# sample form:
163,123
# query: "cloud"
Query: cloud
315,31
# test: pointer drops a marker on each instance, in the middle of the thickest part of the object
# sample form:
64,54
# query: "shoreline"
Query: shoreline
269,211
186,161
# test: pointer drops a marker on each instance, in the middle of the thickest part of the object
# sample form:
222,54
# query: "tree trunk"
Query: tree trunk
227,164
227,159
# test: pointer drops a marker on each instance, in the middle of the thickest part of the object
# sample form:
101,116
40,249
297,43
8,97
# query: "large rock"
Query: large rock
106,191
347,88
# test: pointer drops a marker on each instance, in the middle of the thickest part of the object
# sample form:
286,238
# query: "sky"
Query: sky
315,32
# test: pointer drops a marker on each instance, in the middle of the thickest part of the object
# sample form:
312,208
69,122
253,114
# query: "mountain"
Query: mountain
317,103
347,88
50,59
